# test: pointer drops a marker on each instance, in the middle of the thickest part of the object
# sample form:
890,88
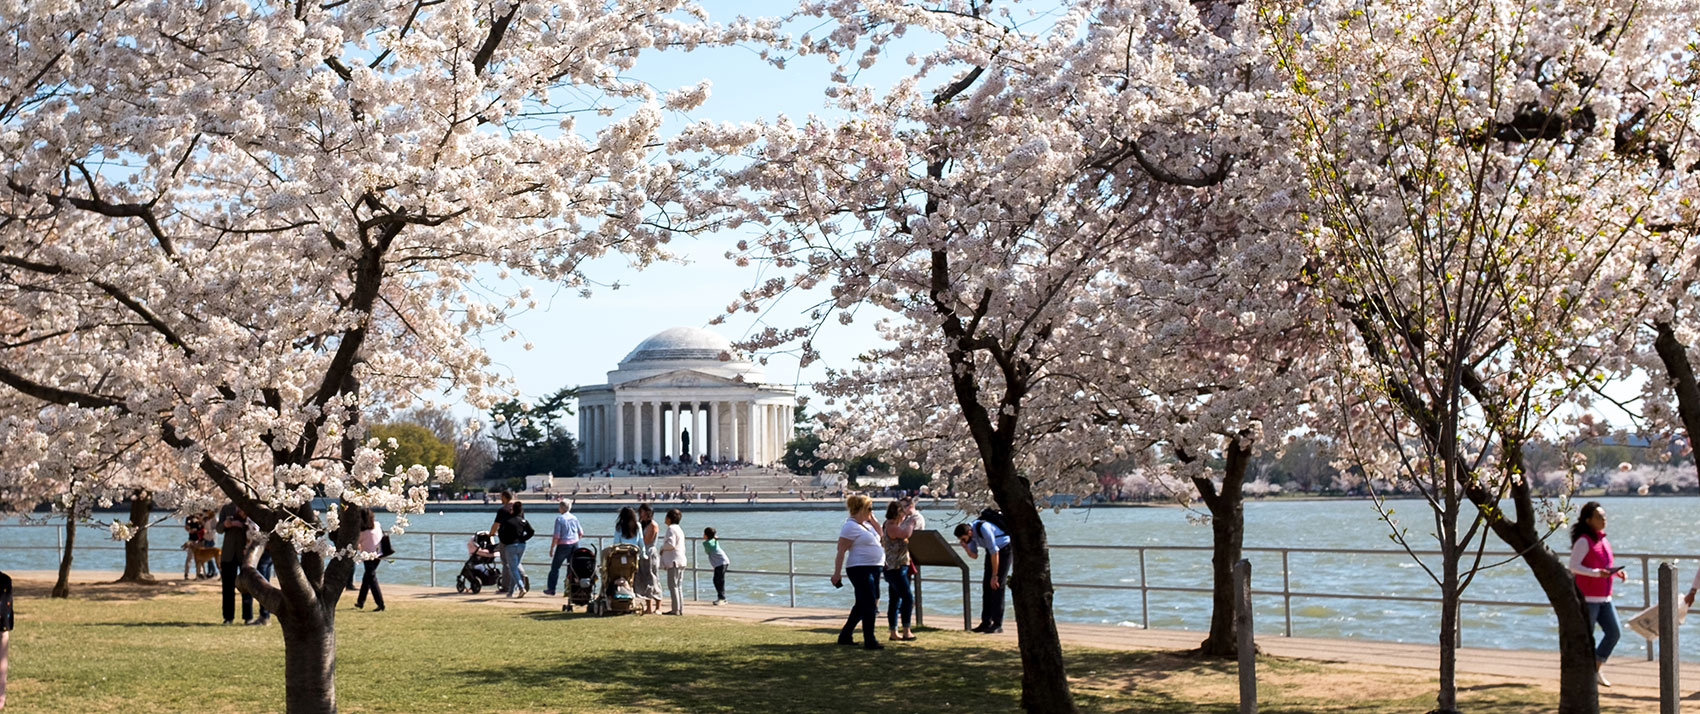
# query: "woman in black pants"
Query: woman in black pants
371,539
861,557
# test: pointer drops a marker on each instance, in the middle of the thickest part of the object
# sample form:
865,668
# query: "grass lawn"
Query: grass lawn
114,650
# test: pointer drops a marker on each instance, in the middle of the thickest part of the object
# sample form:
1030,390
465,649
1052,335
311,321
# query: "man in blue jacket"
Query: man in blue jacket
983,535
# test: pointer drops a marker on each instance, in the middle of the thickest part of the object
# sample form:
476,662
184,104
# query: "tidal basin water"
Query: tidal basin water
1662,526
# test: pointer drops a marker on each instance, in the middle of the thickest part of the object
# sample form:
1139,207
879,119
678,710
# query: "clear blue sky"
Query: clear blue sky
576,340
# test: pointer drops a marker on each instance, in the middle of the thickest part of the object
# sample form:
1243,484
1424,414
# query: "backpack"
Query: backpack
995,517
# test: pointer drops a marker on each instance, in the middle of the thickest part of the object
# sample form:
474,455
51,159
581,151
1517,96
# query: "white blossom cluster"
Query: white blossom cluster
230,231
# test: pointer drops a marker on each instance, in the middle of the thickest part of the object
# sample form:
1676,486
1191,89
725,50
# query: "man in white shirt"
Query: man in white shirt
562,543
983,535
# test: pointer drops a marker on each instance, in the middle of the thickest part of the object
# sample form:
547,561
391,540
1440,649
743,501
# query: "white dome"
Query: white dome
682,344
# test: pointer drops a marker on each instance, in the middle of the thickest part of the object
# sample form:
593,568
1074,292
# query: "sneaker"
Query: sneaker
721,601
872,645
550,593
1601,678
260,621
846,641
993,631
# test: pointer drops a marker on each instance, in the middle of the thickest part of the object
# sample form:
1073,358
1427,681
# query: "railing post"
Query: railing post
1144,595
691,545
791,568
1286,593
1247,645
431,561
1670,693
1647,598
920,618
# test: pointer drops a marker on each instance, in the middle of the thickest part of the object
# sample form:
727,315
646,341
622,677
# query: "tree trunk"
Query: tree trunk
303,601
1044,680
1577,691
62,587
1227,530
309,661
136,549
1446,702
1680,374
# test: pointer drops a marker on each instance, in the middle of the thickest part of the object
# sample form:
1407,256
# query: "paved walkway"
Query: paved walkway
1634,678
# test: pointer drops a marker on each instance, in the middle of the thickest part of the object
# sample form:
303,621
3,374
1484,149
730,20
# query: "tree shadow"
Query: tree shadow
812,678
174,623
110,591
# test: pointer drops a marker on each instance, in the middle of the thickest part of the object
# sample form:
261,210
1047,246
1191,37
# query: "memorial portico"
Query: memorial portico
684,394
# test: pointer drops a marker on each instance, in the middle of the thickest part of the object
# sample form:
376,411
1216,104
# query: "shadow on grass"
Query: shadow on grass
178,623
817,677
111,591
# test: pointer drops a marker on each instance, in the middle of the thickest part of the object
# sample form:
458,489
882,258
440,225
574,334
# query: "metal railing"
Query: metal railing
1285,593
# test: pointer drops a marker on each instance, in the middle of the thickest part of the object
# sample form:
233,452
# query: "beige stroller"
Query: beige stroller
619,568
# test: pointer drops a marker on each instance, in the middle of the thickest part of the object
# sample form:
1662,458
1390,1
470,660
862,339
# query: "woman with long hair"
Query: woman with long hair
626,528
648,581
1591,561
371,540
860,558
899,525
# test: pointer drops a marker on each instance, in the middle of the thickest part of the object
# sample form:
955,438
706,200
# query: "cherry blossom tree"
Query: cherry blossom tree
1029,203
1478,185
234,228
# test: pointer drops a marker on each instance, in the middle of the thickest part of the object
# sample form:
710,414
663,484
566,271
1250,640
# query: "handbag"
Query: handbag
385,550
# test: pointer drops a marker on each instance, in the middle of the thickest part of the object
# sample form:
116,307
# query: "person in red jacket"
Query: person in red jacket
1591,561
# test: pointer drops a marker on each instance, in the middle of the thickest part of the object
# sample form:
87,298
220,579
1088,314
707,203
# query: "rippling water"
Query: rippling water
1638,526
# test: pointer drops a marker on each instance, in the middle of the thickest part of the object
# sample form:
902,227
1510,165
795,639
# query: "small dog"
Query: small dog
202,554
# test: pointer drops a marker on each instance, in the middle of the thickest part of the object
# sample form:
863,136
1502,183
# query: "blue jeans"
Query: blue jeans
512,572
562,552
265,568
865,579
902,600
1605,615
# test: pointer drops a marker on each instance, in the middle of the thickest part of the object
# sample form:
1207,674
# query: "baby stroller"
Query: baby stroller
581,578
619,568
480,568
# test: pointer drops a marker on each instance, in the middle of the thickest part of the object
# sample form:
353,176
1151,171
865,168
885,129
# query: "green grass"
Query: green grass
118,653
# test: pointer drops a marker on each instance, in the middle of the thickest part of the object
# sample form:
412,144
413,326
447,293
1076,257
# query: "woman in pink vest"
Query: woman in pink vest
1591,561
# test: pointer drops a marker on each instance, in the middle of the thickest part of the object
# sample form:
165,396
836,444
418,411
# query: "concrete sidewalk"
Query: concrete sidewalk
1635,680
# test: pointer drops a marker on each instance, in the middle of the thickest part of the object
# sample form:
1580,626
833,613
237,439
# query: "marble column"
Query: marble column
714,431
653,452
619,430
699,417
586,436
736,432
594,443
758,433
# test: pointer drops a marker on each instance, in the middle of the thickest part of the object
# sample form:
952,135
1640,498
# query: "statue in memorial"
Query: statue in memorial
684,444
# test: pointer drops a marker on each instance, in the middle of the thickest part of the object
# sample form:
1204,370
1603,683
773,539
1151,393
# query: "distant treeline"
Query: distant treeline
1311,466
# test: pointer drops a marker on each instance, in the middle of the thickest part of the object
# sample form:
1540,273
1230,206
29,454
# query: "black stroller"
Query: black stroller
480,568
581,578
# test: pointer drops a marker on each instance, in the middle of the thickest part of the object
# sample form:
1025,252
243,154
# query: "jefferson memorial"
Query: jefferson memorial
684,395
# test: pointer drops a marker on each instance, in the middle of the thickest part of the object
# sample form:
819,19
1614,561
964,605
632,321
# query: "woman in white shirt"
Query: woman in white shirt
371,538
861,558
673,560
